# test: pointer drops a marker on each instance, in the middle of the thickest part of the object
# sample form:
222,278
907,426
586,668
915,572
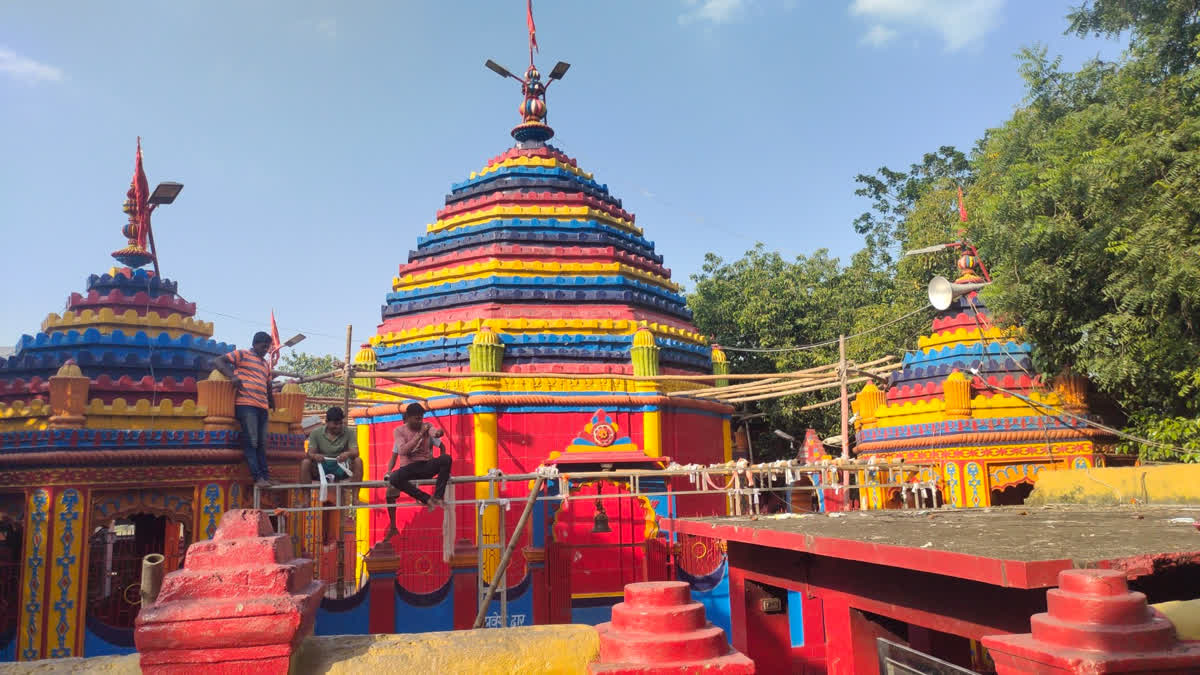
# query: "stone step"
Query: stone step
670,619
1154,635
251,580
223,552
635,647
657,594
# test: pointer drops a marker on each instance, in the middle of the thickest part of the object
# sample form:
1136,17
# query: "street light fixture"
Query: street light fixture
165,193
560,69
295,340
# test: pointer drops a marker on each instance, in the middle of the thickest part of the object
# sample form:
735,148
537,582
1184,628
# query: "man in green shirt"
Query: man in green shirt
333,449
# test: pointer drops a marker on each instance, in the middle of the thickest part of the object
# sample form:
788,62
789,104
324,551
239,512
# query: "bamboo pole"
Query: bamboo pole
349,371
845,398
785,386
824,404
437,374
793,392
818,372
397,394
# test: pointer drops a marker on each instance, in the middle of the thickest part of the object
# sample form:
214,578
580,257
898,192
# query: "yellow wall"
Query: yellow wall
1163,484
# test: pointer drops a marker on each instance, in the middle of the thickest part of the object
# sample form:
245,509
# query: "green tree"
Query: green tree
306,364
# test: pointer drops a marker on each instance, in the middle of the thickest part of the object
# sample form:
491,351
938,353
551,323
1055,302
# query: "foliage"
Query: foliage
303,363
1085,206
1183,432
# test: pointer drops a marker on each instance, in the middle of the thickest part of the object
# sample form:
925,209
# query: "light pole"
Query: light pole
164,193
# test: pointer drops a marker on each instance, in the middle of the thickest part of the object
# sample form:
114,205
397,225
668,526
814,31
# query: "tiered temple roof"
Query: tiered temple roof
535,249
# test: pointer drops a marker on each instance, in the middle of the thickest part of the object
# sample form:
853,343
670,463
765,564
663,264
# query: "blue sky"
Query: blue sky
316,139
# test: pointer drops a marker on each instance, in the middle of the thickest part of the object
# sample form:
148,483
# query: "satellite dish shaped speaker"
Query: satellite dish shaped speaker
942,291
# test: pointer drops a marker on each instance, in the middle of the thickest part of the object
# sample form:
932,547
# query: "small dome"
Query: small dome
486,336
643,338
365,357
718,355
291,388
70,369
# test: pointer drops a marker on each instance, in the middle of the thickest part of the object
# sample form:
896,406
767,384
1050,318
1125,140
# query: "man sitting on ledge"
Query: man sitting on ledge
332,449
412,455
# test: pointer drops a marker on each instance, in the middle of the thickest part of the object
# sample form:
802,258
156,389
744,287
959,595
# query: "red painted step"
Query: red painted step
678,619
1128,609
657,594
1154,635
629,647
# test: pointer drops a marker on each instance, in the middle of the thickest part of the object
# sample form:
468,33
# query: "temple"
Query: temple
968,403
536,277
115,442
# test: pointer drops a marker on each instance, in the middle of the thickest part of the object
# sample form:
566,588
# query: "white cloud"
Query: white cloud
713,11
958,22
26,69
879,36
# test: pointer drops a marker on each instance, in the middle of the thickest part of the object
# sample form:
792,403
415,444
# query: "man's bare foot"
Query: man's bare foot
437,502
390,532
262,483
430,504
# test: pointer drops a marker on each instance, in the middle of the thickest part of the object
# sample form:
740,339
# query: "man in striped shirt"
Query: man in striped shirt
251,376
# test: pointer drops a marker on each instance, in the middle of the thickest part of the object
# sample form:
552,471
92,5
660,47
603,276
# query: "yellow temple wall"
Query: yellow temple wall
1160,484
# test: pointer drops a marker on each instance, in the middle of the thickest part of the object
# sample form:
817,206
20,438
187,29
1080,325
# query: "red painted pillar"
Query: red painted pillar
839,636
737,607
241,603
381,563
464,570
1094,624
535,559
658,629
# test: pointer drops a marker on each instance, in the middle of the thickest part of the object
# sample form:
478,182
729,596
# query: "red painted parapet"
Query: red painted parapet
241,604
659,630
1095,624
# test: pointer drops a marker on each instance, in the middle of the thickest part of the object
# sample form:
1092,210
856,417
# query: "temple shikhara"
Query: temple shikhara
601,516
115,442
968,403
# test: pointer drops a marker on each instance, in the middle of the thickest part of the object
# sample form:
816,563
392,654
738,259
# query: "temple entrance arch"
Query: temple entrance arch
115,551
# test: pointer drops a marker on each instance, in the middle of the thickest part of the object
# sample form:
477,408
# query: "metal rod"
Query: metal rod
498,576
349,370
842,373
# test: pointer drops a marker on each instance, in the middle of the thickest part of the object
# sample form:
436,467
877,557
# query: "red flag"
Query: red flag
533,45
275,343
962,207
139,194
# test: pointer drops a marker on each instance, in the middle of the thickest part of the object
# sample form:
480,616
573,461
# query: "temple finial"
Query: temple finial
533,130
137,206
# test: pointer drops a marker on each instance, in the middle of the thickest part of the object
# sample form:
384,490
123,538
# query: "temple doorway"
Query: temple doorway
12,542
1013,495
115,557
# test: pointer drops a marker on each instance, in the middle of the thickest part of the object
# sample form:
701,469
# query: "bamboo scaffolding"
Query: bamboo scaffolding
823,404
437,374
817,372
802,390
721,394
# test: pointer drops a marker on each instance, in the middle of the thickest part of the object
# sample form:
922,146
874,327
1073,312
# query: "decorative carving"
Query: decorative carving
216,395
68,397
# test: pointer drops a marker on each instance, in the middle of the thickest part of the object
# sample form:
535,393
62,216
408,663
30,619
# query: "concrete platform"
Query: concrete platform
1019,546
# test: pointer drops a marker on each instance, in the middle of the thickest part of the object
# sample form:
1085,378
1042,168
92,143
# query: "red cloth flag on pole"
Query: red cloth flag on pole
962,207
275,343
139,194
533,45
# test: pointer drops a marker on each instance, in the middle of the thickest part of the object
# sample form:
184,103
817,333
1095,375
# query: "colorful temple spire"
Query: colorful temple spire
534,248
129,332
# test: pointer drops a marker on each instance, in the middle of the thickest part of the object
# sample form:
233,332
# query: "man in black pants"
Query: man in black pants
412,456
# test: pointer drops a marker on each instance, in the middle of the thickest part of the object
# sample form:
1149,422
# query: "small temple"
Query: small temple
116,440
968,403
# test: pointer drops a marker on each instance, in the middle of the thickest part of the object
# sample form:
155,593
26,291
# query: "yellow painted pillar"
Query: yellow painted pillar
487,356
645,364
726,440
64,572
33,582
362,517
487,457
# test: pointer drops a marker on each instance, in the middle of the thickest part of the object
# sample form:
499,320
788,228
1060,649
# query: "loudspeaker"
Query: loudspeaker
942,291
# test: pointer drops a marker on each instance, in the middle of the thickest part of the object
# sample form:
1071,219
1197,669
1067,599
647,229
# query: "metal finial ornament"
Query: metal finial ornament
533,130
137,205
